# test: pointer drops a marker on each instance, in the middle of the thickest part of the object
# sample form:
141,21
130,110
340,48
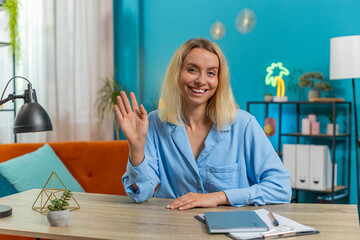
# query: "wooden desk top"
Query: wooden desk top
118,217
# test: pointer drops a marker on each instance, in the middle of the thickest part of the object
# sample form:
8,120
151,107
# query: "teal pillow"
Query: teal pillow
32,170
5,187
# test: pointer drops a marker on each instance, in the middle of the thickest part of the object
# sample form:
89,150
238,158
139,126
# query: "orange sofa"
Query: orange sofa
97,165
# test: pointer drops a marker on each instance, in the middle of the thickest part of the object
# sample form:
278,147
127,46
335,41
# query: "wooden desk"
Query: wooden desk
118,217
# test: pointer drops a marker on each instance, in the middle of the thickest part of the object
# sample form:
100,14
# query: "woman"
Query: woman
198,147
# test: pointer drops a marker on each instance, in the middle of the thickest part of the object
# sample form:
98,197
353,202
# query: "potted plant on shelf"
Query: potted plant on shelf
58,215
330,126
268,97
314,80
12,7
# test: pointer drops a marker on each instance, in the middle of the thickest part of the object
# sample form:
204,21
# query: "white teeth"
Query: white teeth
198,90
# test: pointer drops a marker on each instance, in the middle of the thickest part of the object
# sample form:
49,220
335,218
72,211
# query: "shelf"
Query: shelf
329,194
328,199
7,46
4,44
321,135
297,102
7,110
327,190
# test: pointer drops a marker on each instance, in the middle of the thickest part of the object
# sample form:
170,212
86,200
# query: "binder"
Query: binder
302,166
234,221
320,168
289,160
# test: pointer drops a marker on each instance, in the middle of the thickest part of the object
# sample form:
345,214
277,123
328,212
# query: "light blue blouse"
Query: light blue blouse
239,160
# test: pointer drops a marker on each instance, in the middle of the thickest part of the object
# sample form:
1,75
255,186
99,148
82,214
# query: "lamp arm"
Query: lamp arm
1,99
11,97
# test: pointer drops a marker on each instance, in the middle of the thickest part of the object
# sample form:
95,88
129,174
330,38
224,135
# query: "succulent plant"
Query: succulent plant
61,203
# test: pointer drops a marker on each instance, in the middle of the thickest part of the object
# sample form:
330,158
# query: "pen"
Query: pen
273,219
270,235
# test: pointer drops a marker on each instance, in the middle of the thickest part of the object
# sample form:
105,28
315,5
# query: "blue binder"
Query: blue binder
234,221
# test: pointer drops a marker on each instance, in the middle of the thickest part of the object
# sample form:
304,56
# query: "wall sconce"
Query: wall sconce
217,30
245,21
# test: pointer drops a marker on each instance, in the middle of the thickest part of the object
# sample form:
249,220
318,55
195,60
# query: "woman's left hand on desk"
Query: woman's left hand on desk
192,200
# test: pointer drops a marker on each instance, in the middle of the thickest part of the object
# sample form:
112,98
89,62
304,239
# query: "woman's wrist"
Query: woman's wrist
222,198
136,155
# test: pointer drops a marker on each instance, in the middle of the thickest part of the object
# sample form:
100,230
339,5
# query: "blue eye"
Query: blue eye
212,73
192,70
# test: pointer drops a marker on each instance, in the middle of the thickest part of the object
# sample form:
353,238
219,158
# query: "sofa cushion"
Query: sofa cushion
32,170
96,165
5,187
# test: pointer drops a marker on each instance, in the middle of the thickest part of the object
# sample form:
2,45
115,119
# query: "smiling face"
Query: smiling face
198,78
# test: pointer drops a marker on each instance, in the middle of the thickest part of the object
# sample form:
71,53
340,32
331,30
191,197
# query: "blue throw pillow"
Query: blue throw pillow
32,170
5,187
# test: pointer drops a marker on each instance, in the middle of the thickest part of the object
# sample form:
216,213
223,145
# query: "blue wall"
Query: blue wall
297,33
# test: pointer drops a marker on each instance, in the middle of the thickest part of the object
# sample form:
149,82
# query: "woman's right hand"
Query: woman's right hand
134,124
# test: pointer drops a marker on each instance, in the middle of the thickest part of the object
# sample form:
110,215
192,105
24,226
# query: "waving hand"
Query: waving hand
134,124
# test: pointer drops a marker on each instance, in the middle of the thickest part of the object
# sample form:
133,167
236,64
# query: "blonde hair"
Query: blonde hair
221,107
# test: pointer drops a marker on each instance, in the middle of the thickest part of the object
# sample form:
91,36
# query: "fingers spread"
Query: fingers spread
118,113
143,112
134,103
126,102
121,105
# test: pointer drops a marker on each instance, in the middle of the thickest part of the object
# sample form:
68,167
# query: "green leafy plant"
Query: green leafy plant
314,80
12,7
331,118
106,99
61,203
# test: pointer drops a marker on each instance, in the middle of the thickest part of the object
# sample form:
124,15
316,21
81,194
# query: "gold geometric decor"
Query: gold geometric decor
49,193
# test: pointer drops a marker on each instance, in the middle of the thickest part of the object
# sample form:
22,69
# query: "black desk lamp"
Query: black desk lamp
31,117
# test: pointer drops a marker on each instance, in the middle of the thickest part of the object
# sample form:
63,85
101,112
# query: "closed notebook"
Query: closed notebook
234,221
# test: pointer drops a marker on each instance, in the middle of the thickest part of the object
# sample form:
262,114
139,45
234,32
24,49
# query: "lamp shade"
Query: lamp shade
32,117
345,57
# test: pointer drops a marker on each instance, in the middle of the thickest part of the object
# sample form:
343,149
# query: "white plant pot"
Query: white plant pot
313,94
330,128
268,98
58,218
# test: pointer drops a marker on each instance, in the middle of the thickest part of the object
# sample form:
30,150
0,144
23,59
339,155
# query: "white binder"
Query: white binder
289,160
302,166
320,168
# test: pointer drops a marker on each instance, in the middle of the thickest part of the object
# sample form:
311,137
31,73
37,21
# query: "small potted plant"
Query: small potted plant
58,215
314,80
330,126
268,97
